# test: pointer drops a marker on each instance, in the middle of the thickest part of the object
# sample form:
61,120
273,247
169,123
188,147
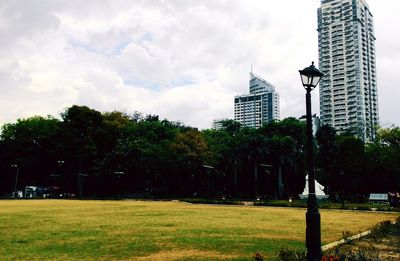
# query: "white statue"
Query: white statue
319,191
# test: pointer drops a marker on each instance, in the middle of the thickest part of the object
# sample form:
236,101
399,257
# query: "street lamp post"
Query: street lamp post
60,163
16,179
310,78
119,174
209,170
267,170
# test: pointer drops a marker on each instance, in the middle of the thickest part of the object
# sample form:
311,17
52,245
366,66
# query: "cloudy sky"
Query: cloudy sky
183,60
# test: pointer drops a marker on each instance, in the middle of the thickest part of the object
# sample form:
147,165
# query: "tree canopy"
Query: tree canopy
90,153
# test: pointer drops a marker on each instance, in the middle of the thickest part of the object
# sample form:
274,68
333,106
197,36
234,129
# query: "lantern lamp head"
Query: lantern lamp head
310,76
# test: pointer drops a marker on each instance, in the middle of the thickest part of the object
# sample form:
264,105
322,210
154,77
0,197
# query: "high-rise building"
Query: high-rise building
261,105
348,89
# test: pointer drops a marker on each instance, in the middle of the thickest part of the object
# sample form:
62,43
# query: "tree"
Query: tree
287,139
253,147
112,153
350,165
223,153
231,126
31,144
326,156
383,163
189,152
143,154
82,132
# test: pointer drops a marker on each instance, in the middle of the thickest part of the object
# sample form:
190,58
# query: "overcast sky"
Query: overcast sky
180,59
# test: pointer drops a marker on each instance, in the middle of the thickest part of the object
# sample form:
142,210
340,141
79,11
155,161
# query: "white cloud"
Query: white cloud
183,60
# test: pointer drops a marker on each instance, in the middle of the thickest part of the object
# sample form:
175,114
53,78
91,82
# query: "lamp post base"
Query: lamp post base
313,233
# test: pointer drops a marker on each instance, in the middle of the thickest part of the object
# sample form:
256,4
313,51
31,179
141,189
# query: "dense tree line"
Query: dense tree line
89,153
353,168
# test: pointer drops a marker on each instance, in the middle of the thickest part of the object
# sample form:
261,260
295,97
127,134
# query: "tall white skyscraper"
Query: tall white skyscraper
258,107
348,89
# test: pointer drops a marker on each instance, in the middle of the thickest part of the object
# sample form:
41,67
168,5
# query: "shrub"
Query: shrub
361,253
287,254
380,229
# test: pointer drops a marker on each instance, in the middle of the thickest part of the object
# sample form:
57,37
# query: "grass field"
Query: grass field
145,230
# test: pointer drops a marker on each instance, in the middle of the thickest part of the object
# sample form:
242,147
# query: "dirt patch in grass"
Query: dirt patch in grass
187,254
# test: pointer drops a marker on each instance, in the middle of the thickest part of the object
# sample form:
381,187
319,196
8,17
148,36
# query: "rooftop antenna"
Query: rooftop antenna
251,72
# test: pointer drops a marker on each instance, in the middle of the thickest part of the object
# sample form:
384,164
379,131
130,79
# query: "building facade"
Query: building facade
261,105
218,123
315,121
348,89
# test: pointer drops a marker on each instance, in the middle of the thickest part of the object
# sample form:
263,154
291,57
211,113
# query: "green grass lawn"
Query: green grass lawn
146,230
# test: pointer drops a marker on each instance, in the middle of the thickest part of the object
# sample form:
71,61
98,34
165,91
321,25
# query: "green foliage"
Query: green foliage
350,164
35,127
28,143
385,228
231,126
81,131
286,141
154,157
189,145
389,137
287,254
158,155
326,157
383,165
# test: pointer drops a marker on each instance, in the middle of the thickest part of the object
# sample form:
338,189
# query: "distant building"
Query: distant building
348,89
260,106
217,124
314,120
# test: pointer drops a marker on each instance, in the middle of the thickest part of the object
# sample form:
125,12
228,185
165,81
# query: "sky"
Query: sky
183,60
